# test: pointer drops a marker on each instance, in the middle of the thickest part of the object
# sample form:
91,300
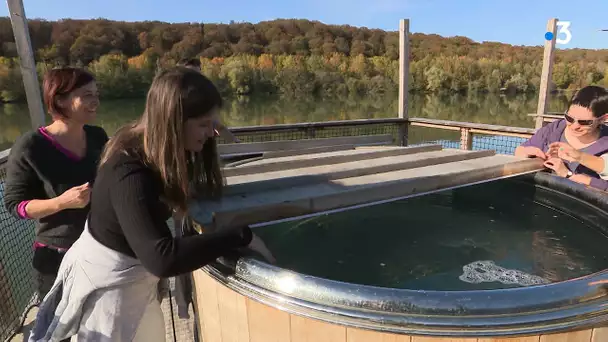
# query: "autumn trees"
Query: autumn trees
293,57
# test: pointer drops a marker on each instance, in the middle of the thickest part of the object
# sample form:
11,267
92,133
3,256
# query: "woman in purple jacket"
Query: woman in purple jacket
582,128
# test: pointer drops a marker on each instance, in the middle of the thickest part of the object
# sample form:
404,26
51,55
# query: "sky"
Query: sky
518,22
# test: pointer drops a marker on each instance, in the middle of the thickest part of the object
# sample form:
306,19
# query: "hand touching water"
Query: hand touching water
257,245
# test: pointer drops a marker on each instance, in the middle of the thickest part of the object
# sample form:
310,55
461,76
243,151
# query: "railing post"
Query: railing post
466,139
545,79
311,132
404,71
27,62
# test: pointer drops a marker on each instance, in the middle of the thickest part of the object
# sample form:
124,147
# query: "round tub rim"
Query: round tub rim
568,305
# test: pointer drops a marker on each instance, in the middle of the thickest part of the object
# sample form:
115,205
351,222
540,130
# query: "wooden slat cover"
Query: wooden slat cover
319,159
267,196
322,149
288,177
226,316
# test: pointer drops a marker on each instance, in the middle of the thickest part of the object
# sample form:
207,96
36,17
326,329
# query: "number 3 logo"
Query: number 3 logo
564,27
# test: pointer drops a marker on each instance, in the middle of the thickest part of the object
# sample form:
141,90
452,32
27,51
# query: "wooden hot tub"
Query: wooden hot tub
245,299
230,309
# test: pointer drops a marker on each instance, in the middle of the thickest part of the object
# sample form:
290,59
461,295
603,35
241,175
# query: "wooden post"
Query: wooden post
545,79
404,71
466,139
27,62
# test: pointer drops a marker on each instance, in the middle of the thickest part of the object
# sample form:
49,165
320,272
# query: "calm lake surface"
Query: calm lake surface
257,110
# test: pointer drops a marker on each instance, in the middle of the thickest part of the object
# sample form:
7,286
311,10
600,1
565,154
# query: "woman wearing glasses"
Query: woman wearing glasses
580,135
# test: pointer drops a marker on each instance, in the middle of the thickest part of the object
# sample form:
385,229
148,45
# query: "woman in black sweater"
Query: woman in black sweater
50,170
147,171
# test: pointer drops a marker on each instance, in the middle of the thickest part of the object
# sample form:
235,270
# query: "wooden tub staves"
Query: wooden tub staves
249,300
225,315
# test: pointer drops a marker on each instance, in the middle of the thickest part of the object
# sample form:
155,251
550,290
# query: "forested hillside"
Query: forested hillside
293,57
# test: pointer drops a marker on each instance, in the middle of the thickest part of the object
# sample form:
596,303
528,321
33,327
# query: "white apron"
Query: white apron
100,295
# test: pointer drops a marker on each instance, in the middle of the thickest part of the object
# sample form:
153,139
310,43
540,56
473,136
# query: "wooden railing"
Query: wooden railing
548,117
316,129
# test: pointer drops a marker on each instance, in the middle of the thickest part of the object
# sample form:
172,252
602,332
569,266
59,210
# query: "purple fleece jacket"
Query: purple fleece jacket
554,132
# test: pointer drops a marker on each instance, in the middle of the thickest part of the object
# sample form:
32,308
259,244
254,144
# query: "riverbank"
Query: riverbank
120,77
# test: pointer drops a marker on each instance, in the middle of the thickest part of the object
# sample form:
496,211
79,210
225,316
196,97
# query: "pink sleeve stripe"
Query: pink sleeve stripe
21,210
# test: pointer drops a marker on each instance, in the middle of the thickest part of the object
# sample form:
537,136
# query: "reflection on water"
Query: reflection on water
428,242
245,111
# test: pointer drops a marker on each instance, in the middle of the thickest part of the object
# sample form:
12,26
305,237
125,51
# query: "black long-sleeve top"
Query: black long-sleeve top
39,168
128,216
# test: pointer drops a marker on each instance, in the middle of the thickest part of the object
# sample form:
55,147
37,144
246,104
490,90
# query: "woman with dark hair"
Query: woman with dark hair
50,170
219,128
106,288
583,130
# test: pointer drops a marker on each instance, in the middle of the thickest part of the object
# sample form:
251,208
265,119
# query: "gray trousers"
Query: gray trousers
44,282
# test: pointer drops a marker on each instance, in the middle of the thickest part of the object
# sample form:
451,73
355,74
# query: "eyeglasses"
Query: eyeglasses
580,122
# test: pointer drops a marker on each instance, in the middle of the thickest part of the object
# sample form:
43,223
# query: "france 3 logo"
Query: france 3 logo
563,33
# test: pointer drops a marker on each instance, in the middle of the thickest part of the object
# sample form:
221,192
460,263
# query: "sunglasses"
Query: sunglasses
580,122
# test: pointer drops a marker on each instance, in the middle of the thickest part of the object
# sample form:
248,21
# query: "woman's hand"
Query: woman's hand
76,197
581,178
564,151
532,152
557,165
257,245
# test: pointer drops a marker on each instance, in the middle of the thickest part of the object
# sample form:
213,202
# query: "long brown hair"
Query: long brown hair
175,96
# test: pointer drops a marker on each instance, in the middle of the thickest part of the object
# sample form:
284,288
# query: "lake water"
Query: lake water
248,111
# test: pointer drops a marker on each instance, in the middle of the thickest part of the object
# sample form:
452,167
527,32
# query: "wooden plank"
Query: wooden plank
547,71
442,339
572,336
506,134
257,182
242,162
548,115
355,150
466,139
404,76
360,335
438,126
208,307
282,145
296,201
267,324
456,125
305,151
535,338
404,66
310,330
600,334
285,163
27,63
302,151
233,315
